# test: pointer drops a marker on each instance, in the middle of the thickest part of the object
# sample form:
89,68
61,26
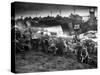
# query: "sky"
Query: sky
40,9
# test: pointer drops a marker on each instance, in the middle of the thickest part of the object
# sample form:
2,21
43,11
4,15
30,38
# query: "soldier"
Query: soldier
22,48
78,48
53,48
43,45
40,44
84,55
46,45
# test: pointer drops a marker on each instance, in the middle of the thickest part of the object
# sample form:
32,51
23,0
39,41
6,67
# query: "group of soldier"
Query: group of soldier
51,45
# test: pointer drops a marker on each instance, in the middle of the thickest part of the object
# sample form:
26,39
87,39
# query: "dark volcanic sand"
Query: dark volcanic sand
41,62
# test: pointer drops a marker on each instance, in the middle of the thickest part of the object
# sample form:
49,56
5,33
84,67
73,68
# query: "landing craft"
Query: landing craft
66,37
